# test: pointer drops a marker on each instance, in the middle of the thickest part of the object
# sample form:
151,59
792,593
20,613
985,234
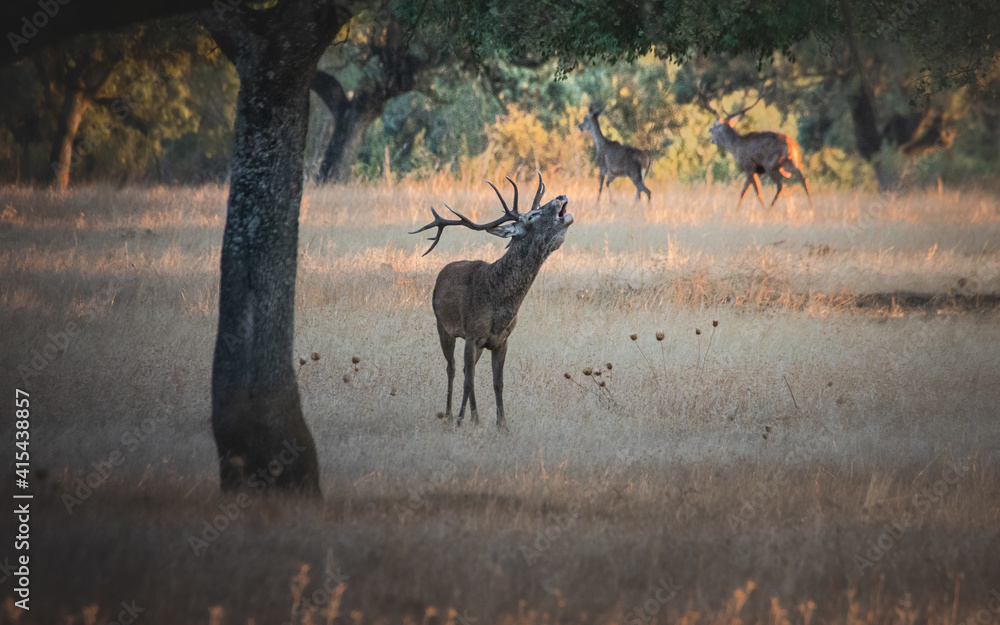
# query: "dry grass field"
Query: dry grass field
815,439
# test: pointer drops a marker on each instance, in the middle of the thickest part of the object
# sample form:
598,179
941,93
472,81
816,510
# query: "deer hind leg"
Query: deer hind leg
448,347
776,176
640,186
469,386
499,355
805,185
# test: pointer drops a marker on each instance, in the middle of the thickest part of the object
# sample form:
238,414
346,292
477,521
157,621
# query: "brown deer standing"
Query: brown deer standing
478,301
615,160
772,153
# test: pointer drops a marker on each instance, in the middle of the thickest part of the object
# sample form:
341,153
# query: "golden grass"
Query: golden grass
742,465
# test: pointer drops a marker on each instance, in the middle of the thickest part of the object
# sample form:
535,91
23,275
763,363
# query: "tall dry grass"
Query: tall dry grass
742,465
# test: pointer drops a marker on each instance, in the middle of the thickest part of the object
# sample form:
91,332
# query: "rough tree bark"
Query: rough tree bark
257,421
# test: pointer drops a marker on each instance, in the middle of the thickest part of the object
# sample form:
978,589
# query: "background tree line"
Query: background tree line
156,102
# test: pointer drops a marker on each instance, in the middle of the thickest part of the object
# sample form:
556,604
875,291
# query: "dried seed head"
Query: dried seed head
608,365
765,436
715,323
767,428
829,383
347,378
601,383
633,336
315,356
302,360
588,371
355,359
392,391
440,415
567,376
659,336
597,372
697,331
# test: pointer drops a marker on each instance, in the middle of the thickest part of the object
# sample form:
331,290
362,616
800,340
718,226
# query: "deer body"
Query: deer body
615,160
772,153
479,301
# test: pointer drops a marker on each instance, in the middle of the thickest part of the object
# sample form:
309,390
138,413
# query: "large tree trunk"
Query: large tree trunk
74,106
257,420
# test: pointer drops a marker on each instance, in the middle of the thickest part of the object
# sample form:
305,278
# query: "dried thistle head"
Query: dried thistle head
715,323
567,376
608,365
601,383
597,372
355,359
633,336
588,371
302,361
659,336
697,331
767,428
314,356
440,415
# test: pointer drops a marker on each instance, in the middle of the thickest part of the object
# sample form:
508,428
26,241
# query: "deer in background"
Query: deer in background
478,301
772,153
615,160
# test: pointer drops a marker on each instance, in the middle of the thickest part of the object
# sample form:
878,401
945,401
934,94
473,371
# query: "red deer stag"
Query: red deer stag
478,301
772,153
615,160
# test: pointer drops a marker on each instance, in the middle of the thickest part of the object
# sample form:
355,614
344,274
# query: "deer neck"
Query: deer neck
514,273
731,138
599,139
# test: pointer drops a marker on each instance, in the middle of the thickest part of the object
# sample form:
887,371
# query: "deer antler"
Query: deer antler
744,110
539,193
704,101
508,215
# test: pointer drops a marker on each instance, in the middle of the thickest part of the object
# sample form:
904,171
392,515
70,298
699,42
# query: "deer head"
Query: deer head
590,122
542,227
722,131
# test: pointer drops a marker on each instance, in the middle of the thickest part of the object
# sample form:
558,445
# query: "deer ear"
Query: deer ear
507,230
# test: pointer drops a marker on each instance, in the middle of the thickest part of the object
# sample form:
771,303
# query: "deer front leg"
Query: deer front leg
472,392
746,185
469,386
600,184
756,186
499,356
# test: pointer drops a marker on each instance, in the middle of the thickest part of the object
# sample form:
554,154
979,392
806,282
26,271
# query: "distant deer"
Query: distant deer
478,301
772,153
615,160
